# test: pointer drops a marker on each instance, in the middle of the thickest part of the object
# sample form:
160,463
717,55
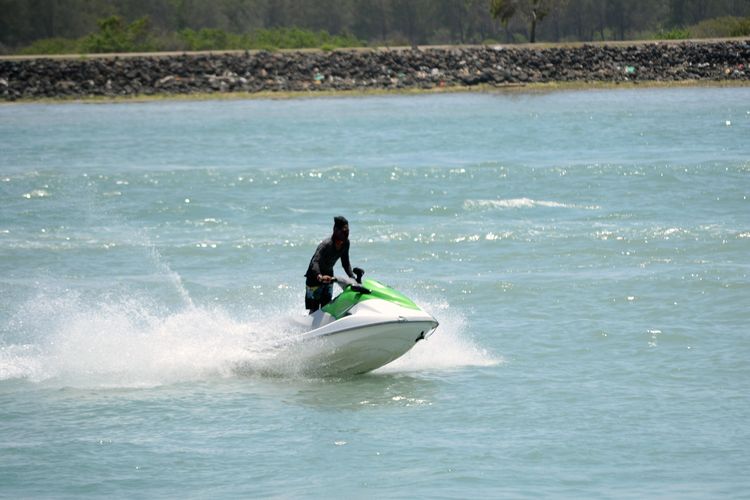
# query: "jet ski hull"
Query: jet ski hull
361,349
365,336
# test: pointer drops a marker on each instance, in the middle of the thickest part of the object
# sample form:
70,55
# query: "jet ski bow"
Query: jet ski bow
365,327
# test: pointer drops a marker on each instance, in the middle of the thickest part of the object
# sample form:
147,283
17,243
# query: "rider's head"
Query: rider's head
340,228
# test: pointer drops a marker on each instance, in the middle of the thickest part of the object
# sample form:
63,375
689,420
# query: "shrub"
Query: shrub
52,46
296,38
742,28
209,39
265,39
673,34
718,27
115,36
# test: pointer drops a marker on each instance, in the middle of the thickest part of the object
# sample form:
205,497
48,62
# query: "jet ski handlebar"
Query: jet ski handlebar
346,281
358,272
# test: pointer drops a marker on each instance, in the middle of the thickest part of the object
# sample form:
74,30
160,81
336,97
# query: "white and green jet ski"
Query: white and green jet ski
365,327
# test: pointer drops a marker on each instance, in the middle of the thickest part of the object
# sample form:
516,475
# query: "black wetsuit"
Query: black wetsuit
326,255
325,258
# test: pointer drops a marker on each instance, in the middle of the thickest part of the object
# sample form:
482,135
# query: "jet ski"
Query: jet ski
366,326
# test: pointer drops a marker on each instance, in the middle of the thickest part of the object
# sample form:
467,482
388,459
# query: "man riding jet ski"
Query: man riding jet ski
365,327
319,275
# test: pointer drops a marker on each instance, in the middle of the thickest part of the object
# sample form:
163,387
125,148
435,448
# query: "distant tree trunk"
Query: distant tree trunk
460,20
383,20
533,10
408,20
538,10
701,9
532,29
677,12
44,18
275,15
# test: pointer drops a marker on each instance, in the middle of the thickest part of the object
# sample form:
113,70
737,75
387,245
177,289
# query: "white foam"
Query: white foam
135,343
36,193
449,347
18,361
174,278
521,203
124,343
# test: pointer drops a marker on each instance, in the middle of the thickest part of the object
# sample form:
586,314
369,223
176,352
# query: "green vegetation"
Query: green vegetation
265,39
87,26
720,27
673,34
116,36
53,46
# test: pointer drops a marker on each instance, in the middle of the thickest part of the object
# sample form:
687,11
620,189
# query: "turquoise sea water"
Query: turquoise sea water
587,254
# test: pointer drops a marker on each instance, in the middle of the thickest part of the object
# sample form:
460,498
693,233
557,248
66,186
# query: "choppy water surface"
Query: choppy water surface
587,255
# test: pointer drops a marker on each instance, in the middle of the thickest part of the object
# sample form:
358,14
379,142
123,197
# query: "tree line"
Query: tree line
113,25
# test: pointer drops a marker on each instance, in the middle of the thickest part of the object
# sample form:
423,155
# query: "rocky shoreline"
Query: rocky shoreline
376,69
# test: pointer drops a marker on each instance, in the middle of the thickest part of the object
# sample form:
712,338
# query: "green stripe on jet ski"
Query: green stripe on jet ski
349,297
